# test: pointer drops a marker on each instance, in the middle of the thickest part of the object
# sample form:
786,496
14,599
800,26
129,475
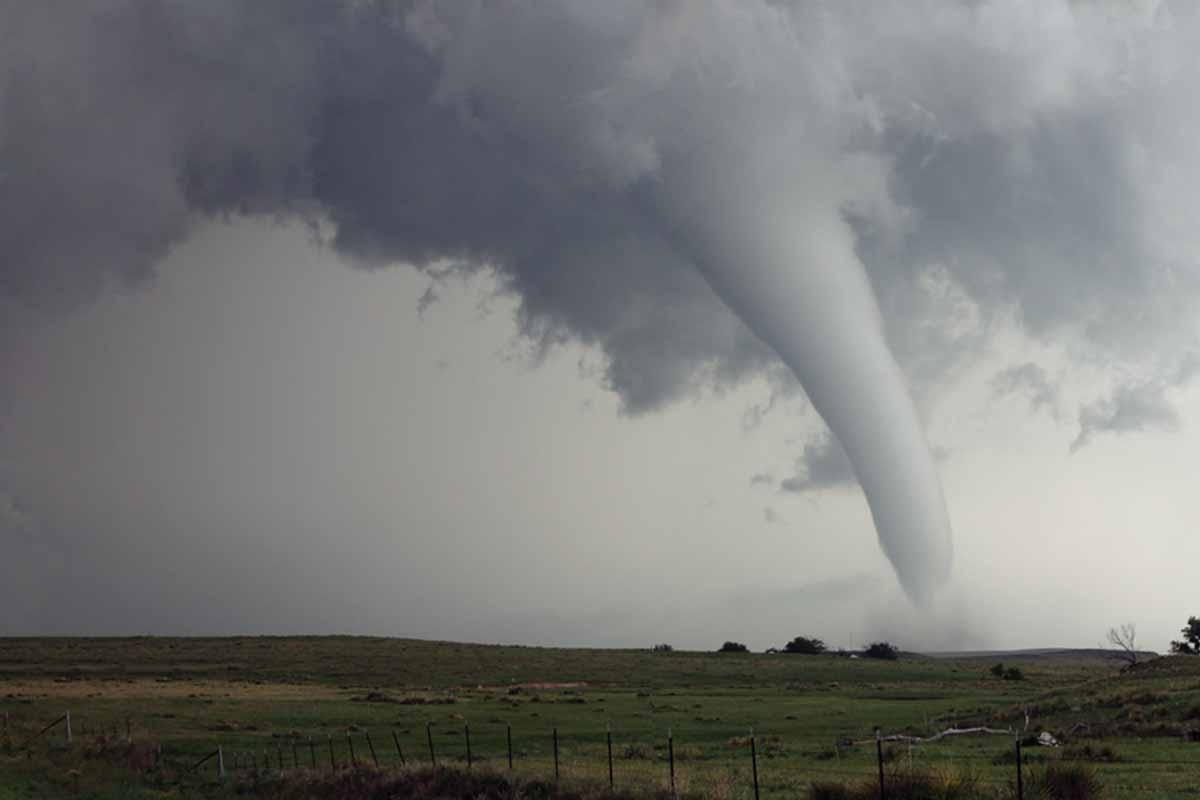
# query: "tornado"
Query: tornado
791,274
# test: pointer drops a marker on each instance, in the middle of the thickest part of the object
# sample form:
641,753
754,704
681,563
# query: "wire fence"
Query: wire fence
356,748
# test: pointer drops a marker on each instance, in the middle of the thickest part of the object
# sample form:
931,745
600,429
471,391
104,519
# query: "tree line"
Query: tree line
1123,639
809,646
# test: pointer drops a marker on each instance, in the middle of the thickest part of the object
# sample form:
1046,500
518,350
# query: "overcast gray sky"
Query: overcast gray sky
465,321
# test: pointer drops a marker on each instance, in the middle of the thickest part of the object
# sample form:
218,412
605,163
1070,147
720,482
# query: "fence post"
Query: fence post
556,754
429,738
671,758
754,762
467,734
879,754
220,762
312,752
1020,785
371,747
332,760
279,752
295,755
68,715
399,752
508,736
608,734
350,746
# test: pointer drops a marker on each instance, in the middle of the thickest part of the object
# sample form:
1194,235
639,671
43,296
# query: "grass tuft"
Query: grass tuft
916,784
1066,781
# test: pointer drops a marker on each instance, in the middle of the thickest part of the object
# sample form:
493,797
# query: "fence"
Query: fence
224,761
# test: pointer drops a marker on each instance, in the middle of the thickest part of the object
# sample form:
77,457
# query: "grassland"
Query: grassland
813,716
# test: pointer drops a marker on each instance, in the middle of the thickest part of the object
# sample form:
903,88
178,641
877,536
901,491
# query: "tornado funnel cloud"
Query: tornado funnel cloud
808,297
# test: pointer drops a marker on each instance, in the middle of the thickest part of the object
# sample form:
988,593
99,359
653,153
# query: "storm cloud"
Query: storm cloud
1136,406
1030,380
822,465
1017,148
647,179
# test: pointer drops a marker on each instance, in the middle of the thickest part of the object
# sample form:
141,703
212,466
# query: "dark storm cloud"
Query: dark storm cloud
1011,165
1030,380
124,121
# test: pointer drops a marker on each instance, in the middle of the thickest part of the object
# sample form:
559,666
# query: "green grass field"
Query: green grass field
257,697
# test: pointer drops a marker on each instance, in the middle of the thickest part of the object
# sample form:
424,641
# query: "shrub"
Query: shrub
998,670
805,646
902,785
1060,781
734,647
1189,645
1014,674
883,650
662,648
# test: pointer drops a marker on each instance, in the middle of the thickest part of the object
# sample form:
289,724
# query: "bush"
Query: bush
1065,782
998,670
902,785
734,647
805,646
662,648
1014,674
1189,645
884,650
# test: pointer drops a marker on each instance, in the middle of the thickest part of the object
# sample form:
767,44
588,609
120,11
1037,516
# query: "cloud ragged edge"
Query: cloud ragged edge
1137,406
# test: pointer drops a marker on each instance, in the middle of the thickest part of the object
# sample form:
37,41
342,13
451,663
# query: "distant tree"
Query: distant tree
1190,645
1124,639
805,646
884,650
1014,674
998,670
662,648
734,647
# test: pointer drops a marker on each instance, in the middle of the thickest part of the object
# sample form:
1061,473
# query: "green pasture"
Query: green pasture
813,717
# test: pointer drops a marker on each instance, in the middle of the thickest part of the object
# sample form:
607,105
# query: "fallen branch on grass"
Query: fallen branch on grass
900,737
